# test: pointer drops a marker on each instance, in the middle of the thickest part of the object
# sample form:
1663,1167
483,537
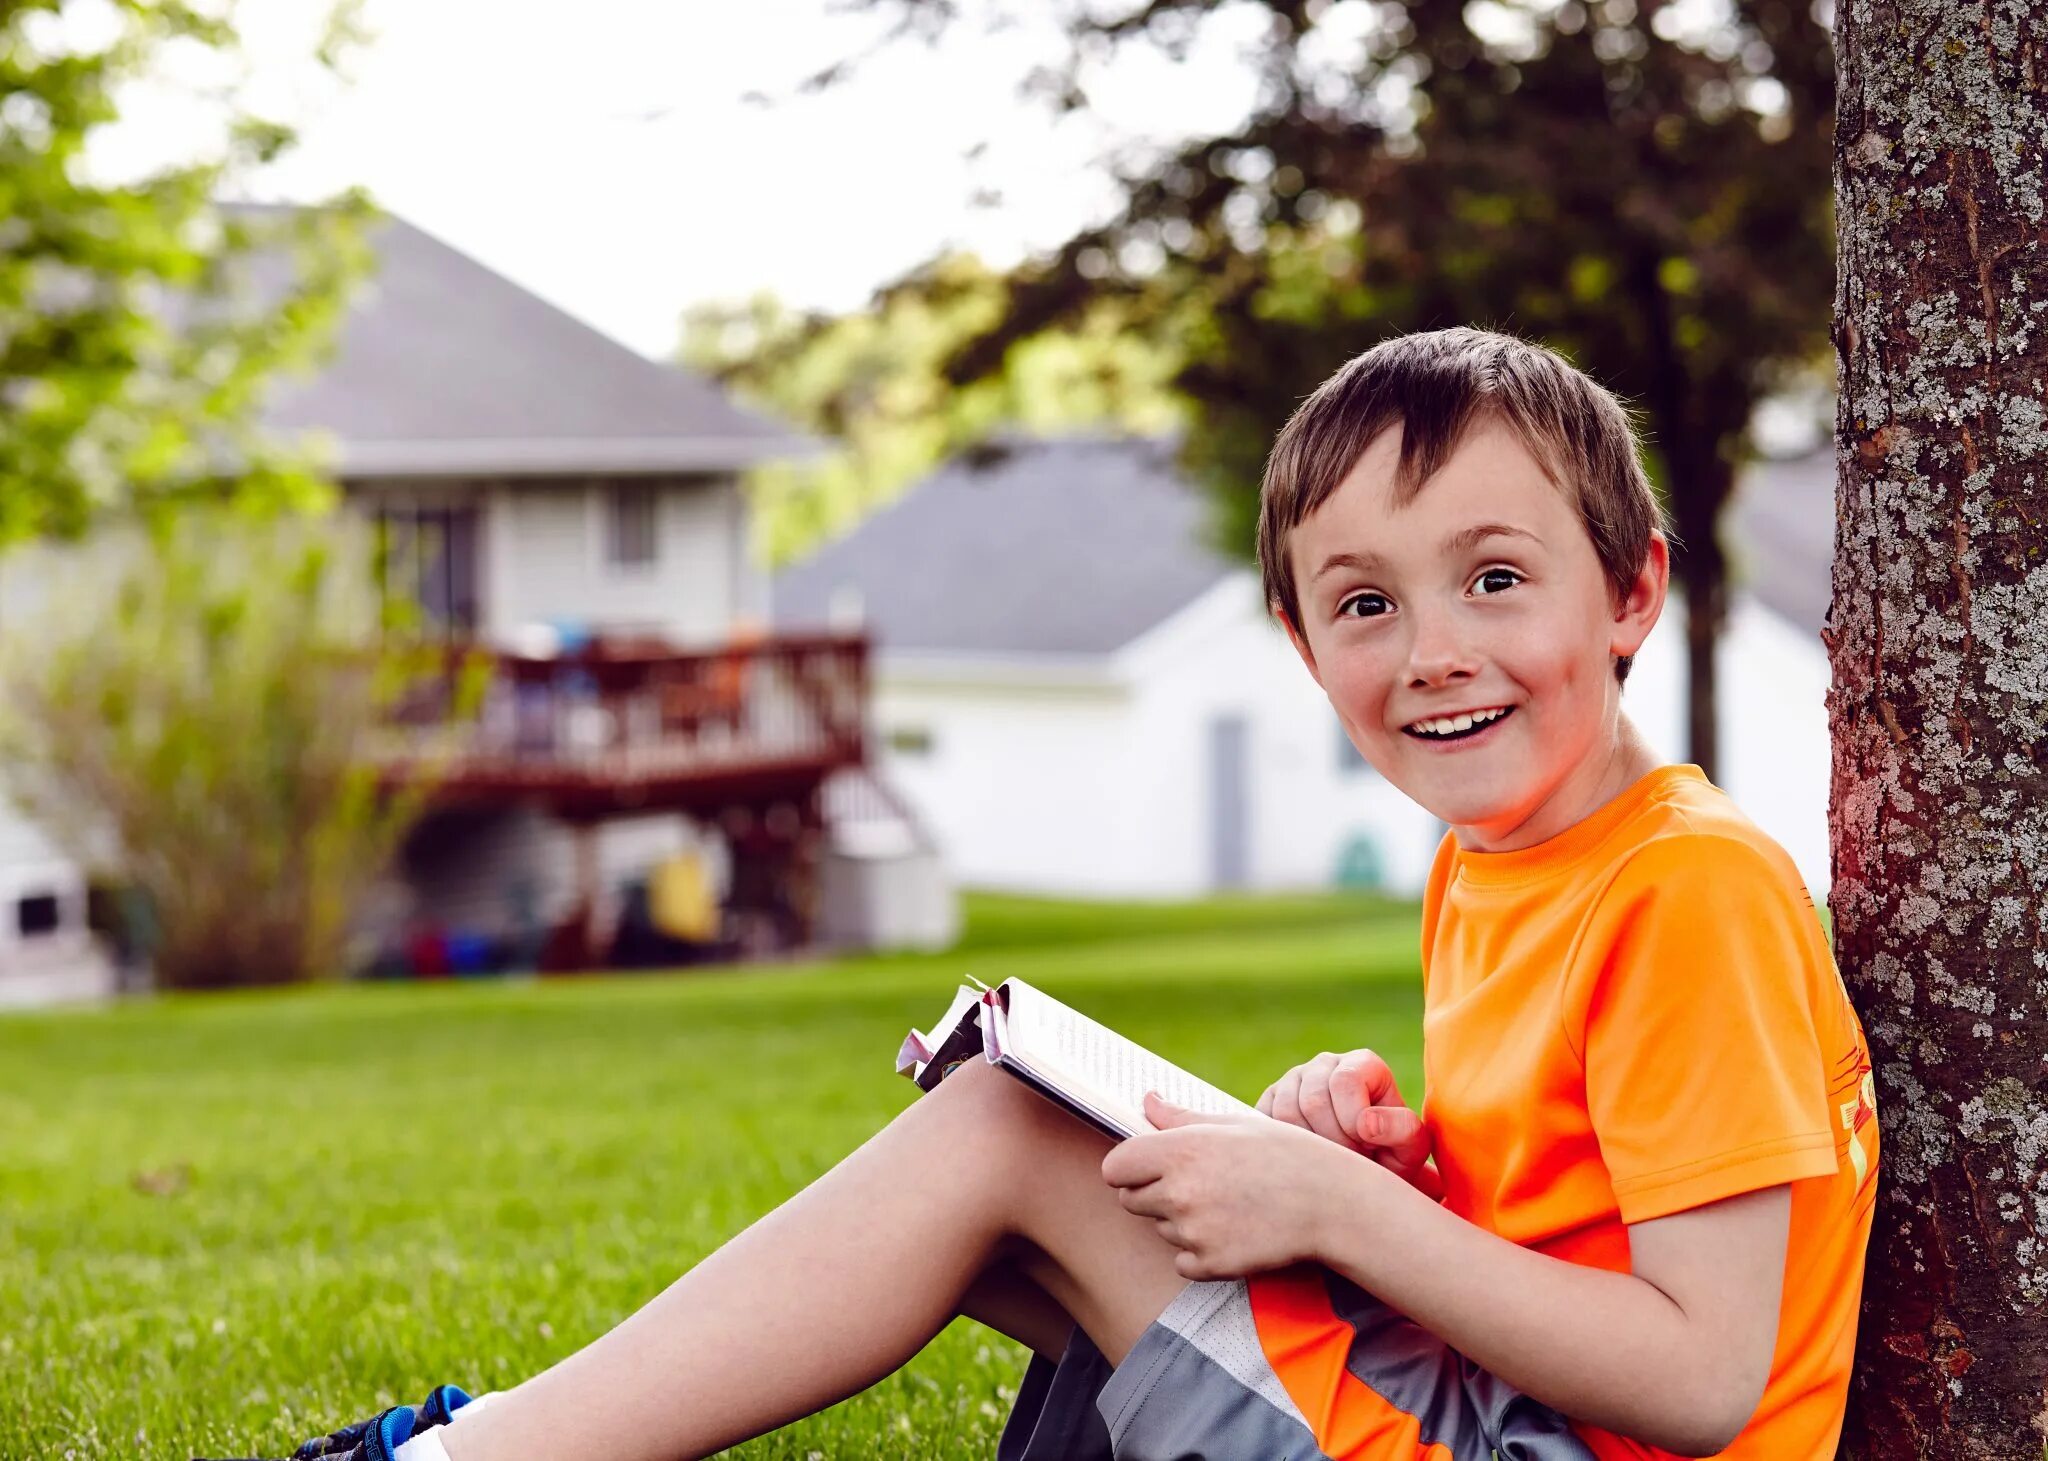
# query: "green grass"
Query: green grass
235,1221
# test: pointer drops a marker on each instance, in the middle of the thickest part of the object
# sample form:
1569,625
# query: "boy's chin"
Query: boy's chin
1462,800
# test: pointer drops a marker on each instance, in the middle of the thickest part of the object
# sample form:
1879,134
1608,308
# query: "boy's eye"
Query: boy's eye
1369,606
1495,580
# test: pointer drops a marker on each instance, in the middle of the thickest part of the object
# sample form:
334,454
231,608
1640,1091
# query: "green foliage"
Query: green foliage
228,1223
1644,186
139,319
874,384
206,731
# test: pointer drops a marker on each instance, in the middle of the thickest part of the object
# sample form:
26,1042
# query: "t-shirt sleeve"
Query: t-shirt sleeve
1704,1073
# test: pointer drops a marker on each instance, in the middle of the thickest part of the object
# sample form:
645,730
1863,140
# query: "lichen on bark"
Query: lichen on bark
1938,638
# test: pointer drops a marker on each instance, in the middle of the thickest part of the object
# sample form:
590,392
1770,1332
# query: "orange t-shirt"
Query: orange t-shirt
1639,1016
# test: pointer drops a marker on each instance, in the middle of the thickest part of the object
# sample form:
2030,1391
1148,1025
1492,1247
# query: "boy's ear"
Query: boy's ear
1637,613
1300,644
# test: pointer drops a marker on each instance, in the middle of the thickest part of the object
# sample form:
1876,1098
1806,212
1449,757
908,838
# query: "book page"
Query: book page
919,1049
918,1046
1111,1072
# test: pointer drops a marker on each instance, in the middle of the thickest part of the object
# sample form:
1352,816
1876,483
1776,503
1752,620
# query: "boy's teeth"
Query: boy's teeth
1451,724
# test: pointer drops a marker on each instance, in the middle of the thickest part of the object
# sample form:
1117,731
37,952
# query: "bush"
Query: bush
205,731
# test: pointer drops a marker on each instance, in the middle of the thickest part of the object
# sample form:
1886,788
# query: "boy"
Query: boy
1648,1108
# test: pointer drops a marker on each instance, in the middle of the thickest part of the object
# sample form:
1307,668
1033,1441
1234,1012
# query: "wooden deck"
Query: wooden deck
631,727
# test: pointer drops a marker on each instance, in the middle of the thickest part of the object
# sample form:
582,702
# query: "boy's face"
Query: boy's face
1484,593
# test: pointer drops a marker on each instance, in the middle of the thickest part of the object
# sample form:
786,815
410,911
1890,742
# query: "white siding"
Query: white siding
750,593
1024,787
550,560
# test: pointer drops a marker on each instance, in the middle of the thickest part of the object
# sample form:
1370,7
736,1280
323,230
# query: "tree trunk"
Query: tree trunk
1939,710
1703,574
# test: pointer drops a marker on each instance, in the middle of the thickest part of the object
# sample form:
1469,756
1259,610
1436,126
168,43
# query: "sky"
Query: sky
607,155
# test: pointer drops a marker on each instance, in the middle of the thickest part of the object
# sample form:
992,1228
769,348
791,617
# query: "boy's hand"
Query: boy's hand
1353,1100
1235,1194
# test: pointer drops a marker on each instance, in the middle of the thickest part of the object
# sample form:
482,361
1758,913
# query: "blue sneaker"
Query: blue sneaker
379,1437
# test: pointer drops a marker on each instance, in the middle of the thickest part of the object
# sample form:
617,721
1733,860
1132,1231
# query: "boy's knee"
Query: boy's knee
988,1094
1035,1138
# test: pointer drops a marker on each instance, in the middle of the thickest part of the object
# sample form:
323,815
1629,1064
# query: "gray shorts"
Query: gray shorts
1197,1386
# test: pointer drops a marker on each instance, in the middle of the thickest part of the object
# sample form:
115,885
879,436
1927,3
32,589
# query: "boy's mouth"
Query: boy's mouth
1460,727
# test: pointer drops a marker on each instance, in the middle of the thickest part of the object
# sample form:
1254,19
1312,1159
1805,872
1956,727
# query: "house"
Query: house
574,509
1079,695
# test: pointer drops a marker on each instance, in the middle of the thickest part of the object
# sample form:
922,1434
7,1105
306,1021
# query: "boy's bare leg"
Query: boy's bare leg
1007,1301
850,1278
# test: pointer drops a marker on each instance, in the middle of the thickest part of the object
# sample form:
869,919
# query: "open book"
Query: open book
1059,1052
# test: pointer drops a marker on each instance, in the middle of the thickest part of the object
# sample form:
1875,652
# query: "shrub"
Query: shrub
204,732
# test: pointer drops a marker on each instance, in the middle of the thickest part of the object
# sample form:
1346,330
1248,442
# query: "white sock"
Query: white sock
426,1446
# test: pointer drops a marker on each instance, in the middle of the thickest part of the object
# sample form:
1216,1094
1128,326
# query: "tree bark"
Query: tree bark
1939,710
1702,572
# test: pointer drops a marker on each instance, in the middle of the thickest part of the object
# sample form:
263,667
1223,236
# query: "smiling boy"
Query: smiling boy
1630,1220
1640,1057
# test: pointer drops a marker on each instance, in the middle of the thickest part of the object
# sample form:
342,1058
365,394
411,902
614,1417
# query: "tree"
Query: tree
139,318
207,728
1939,711
1639,183
873,382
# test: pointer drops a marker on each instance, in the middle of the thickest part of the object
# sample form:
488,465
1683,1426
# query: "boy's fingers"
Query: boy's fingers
1350,1096
1286,1095
1395,1134
1318,1107
1360,1082
1372,1076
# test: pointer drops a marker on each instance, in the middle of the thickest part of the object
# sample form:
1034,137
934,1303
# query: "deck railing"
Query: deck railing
624,714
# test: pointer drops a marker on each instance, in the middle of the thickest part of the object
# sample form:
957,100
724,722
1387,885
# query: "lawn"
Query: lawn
231,1222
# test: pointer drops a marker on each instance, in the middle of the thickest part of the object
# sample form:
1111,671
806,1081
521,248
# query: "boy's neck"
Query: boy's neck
1591,786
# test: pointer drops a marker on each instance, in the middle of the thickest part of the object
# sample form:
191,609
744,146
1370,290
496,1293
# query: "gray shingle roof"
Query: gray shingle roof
1077,546
1073,546
445,367
1781,535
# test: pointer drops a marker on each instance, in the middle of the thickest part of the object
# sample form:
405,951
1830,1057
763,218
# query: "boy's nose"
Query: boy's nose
1437,652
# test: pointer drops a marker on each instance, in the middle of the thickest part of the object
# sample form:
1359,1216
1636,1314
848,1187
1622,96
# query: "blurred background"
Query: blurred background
801,455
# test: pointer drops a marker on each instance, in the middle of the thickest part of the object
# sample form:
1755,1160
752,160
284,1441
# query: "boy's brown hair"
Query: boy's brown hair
1435,385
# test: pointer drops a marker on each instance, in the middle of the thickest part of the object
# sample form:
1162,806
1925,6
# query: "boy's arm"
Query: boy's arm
1675,1354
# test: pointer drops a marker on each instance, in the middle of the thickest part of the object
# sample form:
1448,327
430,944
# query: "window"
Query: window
37,914
1349,762
429,554
629,523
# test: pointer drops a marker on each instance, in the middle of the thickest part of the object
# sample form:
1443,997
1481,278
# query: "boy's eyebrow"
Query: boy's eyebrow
1467,538
1462,541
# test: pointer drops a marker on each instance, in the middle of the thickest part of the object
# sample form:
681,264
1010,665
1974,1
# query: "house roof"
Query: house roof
446,368
1076,546
1781,535
1068,546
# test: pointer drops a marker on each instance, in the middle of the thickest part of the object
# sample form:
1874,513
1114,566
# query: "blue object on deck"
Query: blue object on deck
469,953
